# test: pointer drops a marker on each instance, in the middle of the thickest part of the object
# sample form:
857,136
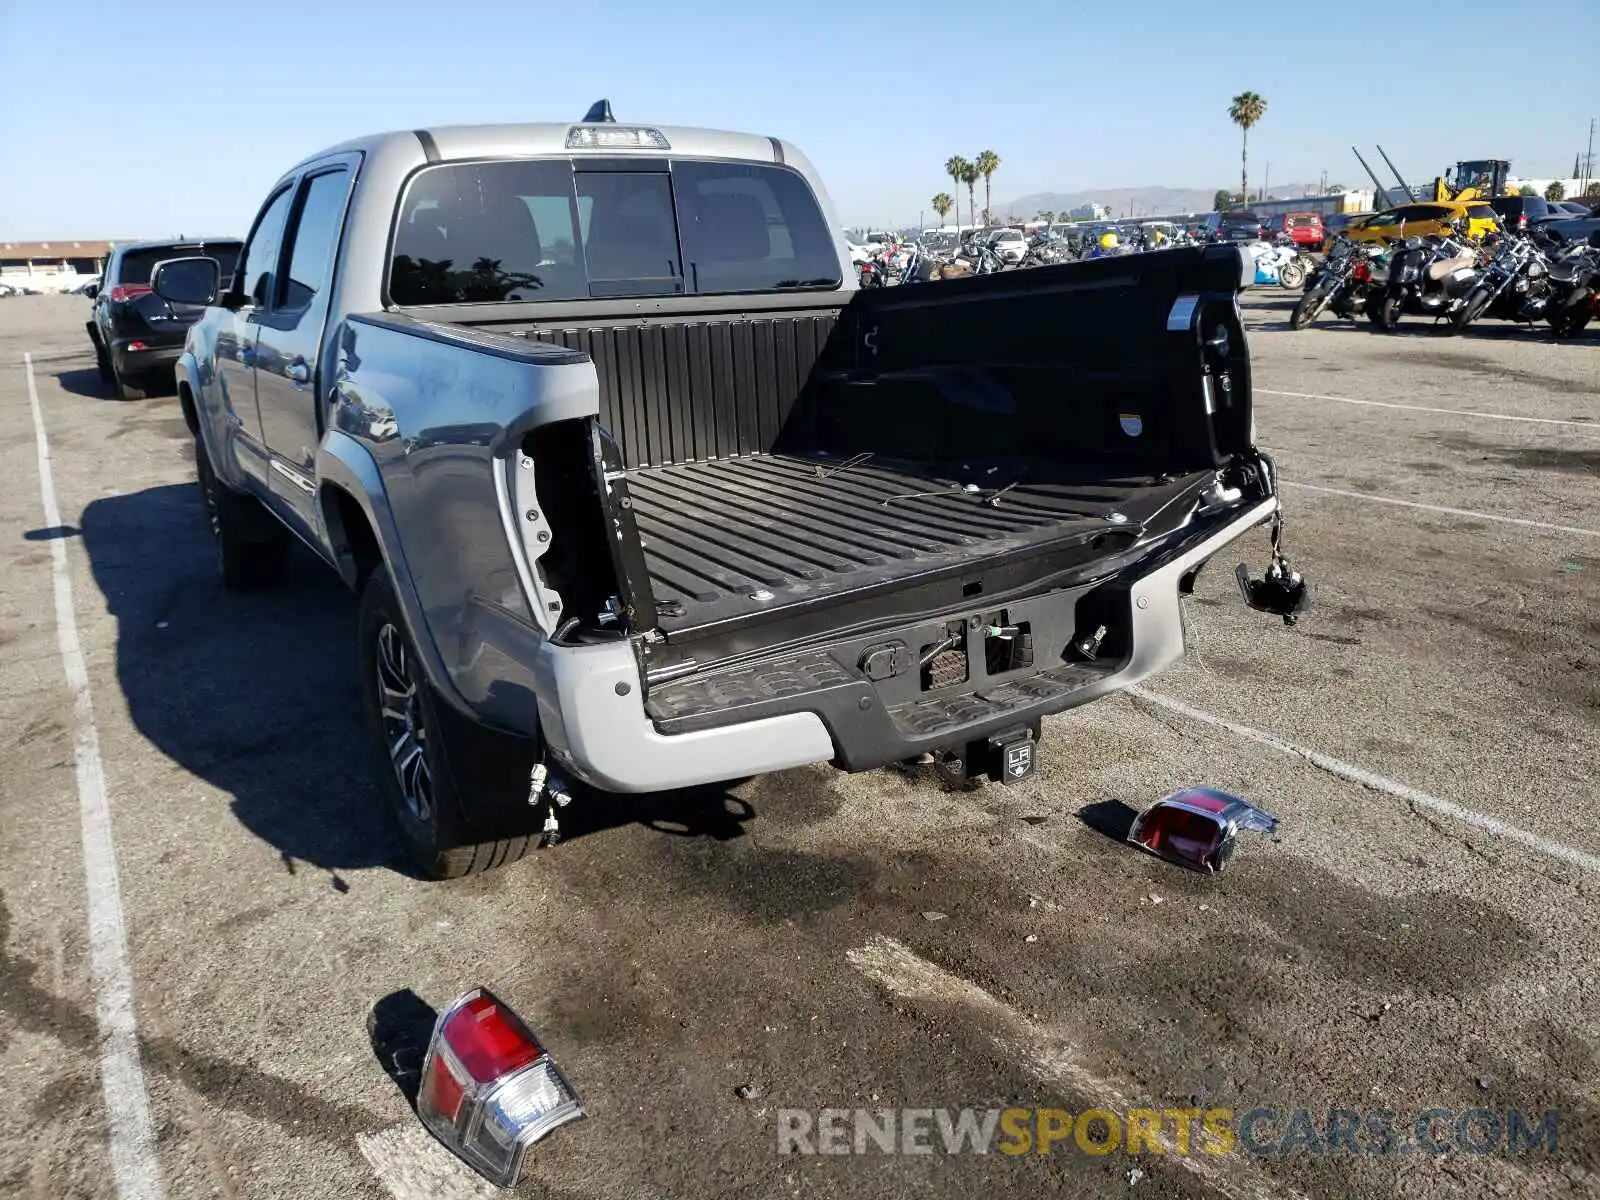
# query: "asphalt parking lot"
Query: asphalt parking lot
1419,934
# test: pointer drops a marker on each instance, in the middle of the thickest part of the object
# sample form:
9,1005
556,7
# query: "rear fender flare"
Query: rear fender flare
345,466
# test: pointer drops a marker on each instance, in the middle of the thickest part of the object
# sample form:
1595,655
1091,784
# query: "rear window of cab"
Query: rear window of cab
554,229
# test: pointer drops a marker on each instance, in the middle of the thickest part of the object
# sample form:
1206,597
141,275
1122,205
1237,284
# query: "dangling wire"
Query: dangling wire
855,460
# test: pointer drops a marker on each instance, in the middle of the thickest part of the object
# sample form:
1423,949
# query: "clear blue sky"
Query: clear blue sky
133,119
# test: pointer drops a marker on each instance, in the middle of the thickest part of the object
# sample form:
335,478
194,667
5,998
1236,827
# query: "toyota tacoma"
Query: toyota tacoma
638,490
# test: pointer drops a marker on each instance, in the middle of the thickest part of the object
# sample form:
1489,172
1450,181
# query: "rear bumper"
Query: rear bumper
158,352
818,705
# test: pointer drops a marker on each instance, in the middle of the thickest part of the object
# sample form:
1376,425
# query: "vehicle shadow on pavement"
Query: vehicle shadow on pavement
84,381
257,695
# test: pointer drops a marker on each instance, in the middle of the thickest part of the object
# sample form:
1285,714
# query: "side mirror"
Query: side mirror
91,290
187,280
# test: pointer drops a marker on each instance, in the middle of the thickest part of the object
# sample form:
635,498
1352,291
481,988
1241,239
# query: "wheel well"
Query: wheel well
191,417
355,546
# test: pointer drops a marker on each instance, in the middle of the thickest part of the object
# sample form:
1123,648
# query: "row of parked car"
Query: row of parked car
1571,220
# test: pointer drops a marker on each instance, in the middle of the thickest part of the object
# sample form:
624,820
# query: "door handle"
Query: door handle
299,373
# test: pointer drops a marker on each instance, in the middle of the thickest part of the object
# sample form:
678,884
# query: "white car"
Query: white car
858,254
1009,244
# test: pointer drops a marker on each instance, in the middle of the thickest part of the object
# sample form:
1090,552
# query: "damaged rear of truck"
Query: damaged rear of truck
640,491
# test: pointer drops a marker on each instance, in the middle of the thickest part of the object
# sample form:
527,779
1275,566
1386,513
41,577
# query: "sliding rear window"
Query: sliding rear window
549,229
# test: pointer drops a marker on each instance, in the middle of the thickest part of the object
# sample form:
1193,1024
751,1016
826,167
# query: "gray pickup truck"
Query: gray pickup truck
637,489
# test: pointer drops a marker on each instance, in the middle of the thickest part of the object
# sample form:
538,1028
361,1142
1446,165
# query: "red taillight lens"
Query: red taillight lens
1522,220
442,1092
1362,272
1196,827
124,292
488,1041
489,1091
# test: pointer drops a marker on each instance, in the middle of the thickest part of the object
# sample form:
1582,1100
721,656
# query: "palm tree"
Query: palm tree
941,205
987,164
1246,109
969,176
956,167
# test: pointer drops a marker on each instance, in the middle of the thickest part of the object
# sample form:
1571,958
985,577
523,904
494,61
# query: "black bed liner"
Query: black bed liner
751,536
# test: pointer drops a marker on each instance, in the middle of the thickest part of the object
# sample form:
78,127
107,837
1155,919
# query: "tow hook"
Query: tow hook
544,784
1282,591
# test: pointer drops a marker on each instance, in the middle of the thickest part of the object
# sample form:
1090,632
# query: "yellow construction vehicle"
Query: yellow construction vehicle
1483,179
1479,179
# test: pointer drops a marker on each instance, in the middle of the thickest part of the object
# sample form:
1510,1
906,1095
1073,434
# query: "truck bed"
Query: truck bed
776,448
736,537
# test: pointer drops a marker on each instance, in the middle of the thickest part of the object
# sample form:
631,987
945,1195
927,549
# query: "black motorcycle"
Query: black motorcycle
1343,284
1514,285
1428,276
1575,290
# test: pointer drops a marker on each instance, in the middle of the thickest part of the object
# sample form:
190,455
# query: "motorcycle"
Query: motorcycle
1296,273
1513,286
1271,261
1344,284
1575,282
881,269
1429,276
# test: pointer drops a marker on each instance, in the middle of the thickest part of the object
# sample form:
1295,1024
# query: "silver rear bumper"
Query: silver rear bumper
594,723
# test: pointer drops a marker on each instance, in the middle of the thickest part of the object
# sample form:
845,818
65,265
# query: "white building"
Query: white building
1571,189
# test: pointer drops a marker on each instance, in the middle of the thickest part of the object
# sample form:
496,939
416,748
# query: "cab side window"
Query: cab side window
260,261
313,240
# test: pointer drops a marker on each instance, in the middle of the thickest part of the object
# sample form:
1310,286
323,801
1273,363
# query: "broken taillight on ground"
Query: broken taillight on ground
489,1090
1197,827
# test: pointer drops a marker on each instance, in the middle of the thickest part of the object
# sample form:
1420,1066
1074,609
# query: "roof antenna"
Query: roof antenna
599,112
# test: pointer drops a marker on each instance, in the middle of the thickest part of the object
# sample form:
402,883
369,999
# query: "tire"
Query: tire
1471,309
102,360
1386,313
1308,309
1567,320
119,382
457,793
1292,275
252,549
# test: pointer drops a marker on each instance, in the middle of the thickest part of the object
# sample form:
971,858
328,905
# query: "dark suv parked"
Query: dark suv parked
136,334
1519,212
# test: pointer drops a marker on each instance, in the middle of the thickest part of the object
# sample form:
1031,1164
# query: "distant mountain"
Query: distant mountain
1151,200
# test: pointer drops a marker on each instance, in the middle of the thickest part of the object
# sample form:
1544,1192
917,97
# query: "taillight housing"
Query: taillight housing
489,1090
1362,272
123,292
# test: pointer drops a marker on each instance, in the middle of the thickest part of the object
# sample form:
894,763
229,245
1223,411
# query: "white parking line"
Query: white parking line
136,1171
1440,508
1368,779
1046,1053
1589,426
411,1165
